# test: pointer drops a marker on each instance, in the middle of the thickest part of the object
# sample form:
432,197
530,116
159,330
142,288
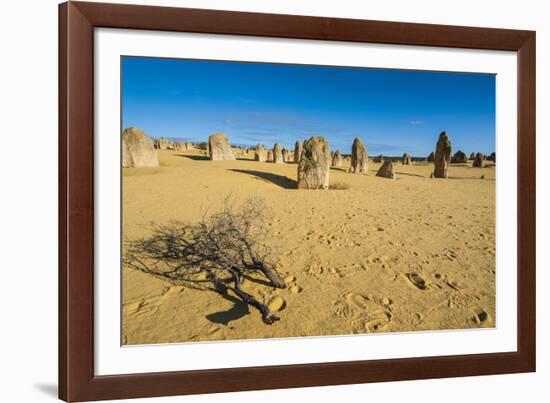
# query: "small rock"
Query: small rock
478,160
276,304
386,170
386,301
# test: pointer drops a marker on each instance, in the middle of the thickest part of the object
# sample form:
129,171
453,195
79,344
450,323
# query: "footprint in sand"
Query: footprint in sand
453,285
417,281
295,289
142,307
360,301
335,271
212,331
152,304
378,323
451,255
315,271
480,316
462,300
385,301
363,313
276,304
289,279
169,291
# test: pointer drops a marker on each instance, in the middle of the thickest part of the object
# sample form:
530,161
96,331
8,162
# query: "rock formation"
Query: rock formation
492,157
337,159
478,160
163,144
386,170
378,159
297,151
459,158
179,146
314,165
219,148
406,159
431,157
277,154
138,149
270,156
359,157
472,156
287,155
442,156
260,154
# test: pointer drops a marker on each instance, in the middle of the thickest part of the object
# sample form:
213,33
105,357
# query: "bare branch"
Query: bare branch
224,246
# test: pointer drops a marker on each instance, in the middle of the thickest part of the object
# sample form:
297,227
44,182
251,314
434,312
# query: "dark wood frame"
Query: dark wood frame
77,21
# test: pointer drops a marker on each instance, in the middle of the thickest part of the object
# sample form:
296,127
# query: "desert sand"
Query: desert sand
376,255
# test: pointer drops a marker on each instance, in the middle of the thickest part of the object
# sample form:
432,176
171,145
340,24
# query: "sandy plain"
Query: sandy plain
380,255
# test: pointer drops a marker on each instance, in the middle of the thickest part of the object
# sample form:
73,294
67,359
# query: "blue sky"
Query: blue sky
392,111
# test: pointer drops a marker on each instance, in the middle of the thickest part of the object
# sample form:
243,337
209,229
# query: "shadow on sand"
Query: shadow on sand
408,174
278,180
338,169
237,311
194,157
471,177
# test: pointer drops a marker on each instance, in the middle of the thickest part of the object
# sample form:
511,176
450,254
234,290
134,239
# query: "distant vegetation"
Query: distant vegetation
203,145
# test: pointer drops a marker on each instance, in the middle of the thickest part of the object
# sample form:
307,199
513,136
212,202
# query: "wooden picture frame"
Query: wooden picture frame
77,381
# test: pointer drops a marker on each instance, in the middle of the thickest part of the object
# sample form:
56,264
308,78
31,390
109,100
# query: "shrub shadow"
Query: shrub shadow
237,311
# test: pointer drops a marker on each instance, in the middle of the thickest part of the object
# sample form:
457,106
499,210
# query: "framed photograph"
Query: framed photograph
256,201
